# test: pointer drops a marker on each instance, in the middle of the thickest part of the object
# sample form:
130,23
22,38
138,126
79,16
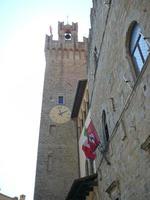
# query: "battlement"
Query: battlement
50,44
67,38
67,32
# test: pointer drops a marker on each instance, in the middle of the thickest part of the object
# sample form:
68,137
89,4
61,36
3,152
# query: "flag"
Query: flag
91,138
87,151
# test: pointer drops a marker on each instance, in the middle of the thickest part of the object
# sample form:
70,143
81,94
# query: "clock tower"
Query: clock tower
57,164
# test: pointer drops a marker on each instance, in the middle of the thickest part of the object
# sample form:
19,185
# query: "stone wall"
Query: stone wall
126,103
5,197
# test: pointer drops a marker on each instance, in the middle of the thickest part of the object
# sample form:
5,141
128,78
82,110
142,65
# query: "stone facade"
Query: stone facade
120,99
5,197
57,163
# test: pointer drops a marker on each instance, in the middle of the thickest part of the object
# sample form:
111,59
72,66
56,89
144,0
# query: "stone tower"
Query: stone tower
57,164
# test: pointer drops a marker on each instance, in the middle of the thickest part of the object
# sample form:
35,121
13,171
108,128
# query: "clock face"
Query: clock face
60,114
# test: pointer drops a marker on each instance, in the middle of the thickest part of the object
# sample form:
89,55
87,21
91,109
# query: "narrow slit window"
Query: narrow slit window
50,162
105,129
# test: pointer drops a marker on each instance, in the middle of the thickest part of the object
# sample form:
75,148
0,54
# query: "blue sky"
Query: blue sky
23,25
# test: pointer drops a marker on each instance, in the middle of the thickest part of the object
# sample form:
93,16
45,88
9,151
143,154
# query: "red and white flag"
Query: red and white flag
87,151
92,134
92,139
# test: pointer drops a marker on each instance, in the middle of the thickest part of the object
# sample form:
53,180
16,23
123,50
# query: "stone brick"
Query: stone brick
57,164
129,163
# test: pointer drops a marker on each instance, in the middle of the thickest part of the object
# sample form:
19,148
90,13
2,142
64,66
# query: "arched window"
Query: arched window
139,48
105,128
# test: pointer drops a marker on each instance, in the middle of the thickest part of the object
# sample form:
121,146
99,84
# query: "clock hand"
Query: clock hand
59,112
63,112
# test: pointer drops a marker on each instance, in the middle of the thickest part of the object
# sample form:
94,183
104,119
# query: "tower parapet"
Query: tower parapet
67,46
68,32
67,38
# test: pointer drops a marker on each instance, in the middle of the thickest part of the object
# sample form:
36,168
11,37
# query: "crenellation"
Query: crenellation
66,52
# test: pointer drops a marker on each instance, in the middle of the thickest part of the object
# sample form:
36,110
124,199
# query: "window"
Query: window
105,128
86,168
50,162
95,56
60,100
114,190
67,36
146,145
91,163
52,129
95,60
139,48
84,116
89,167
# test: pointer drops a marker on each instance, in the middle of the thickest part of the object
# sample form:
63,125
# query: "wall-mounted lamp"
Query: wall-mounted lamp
127,81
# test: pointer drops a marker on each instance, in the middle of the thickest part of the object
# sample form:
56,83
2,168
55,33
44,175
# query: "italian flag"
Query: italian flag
91,137
87,151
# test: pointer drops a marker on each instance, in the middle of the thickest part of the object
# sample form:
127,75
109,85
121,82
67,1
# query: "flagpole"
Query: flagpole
103,152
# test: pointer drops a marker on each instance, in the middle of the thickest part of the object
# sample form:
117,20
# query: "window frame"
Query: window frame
58,100
133,66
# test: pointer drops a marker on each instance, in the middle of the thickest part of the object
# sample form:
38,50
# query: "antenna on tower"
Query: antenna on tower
50,29
67,19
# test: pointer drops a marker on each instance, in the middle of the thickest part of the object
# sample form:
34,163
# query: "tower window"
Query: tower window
60,100
50,162
52,129
139,48
67,36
